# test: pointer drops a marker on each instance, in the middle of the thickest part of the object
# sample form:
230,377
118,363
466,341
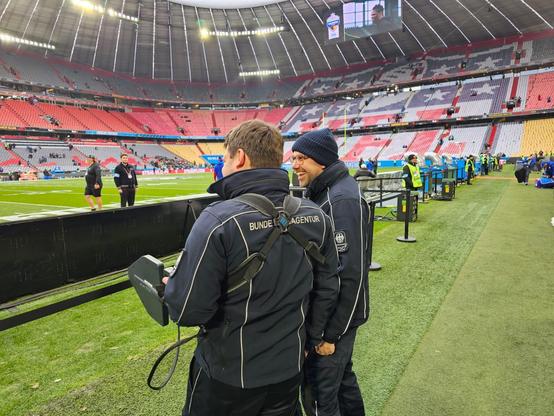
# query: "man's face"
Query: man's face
306,168
376,15
124,159
413,161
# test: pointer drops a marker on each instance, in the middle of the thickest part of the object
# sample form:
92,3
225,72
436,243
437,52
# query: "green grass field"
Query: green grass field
25,200
462,321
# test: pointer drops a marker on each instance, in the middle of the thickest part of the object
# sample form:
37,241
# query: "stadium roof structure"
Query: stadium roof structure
165,43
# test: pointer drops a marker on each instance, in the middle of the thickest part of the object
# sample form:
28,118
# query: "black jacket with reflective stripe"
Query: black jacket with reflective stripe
339,196
255,336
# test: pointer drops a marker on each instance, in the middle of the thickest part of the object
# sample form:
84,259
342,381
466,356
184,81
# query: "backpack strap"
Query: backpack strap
252,265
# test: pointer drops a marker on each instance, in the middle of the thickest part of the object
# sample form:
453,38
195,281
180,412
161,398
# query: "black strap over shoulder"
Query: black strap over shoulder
251,266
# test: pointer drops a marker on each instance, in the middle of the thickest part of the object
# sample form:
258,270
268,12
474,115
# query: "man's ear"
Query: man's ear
243,161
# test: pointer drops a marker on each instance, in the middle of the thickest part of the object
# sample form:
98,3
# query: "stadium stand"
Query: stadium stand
212,148
399,144
274,115
537,136
540,91
226,120
188,152
26,68
81,78
30,115
542,50
65,119
424,141
147,152
11,161
508,138
465,141
108,154
365,147
153,122
47,155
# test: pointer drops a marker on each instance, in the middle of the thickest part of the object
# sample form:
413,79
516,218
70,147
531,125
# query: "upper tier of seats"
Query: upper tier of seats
21,66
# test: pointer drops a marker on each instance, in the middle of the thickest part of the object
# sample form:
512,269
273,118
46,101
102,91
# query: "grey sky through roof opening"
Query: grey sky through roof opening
227,4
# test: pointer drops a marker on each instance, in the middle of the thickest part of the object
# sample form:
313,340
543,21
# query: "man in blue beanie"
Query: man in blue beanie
330,385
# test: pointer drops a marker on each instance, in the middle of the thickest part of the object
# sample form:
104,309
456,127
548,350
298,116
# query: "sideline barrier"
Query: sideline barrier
39,255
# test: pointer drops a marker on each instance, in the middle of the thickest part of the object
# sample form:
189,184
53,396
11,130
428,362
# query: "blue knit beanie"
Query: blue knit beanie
320,145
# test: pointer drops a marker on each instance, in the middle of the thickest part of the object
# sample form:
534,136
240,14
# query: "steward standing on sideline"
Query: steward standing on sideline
125,179
249,357
331,387
470,168
411,175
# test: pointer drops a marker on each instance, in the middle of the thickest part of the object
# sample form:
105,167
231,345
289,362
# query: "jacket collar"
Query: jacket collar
268,182
328,177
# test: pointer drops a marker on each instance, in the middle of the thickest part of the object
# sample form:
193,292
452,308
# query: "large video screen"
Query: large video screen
360,19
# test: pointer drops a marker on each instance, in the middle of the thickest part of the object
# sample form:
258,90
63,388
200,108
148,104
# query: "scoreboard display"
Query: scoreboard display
361,19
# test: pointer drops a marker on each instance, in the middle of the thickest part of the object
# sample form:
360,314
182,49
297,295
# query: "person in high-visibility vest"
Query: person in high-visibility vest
470,168
411,177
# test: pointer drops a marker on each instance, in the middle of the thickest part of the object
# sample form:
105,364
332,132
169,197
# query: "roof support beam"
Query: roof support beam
312,33
98,36
54,27
234,43
476,18
414,36
170,42
29,22
282,43
186,41
397,45
76,36
136,41
219,45
451,21
203,48
154,42
430,27
250,41
504,16
117,39
378,48
321,21
297,38
5,8
266,42
538,14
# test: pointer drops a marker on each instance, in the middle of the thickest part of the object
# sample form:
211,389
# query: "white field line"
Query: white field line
38,205
76,210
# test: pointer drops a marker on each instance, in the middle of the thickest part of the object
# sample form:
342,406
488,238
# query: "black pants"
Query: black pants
330,386
127,197
209,397
469,176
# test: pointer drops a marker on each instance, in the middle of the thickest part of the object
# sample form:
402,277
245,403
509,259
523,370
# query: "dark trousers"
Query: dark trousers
469,176
330,386
209,397
127,197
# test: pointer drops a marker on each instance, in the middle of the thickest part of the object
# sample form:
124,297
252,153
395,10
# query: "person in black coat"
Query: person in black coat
330,385
93,179
249,359
125,179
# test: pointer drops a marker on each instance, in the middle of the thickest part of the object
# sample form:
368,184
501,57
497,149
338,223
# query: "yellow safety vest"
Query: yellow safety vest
416,176
468,162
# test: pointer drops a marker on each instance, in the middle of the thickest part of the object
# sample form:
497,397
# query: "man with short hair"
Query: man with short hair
93,179
249,357
330,385
125,179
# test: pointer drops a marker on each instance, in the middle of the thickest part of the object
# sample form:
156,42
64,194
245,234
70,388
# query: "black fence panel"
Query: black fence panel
38,255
